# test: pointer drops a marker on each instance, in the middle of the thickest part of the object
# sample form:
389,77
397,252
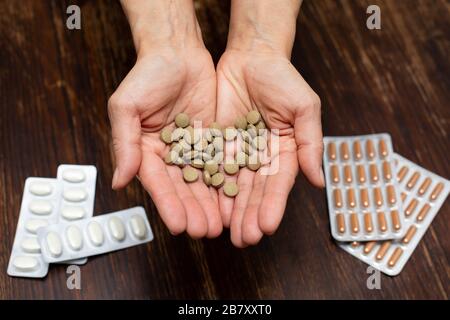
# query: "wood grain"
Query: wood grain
54,86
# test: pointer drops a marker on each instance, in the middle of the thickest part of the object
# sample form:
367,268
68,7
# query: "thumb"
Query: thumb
308,137
126,135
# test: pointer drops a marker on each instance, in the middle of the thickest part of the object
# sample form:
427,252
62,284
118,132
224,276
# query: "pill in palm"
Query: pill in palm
182,120
230,189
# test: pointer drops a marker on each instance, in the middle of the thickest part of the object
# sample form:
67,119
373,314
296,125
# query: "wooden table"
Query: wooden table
54,86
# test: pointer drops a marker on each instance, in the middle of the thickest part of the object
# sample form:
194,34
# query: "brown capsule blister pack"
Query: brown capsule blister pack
364,203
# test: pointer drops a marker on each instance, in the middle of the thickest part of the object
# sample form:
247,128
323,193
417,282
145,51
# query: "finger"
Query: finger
197,225
155,179
276,192
308,136
126,135
245,184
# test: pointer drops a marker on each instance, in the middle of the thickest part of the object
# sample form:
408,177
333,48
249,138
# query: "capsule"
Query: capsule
364,195
423,212
382,149
436,191
409,234
424,186
354,223
378,197
411,207
390,191
331,151
394,257
354,244
368,225
413,180
345,153
348,174
387,173
361,173
402,173
382,225
373,172
340,222
334,172
382,251
370,151
369,247
337,196
395,218
351,199
357,152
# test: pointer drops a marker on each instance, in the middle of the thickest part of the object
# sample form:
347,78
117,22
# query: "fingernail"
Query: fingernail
115,178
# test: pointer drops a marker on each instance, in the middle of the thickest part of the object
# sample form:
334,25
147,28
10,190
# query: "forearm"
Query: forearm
263,25
162,23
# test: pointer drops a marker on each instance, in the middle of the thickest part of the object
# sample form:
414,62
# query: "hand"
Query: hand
268,82
164,82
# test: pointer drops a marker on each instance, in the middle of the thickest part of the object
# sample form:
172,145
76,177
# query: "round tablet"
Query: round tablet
171,157
231,168
215,129
218,157
206,178
198,163
241,159
218,144
251,129
190,174
217,180
177,134
201,145
230,134
253,117
240,123
260,126
230,189
182,120
260,143
212,167
253,164
166,135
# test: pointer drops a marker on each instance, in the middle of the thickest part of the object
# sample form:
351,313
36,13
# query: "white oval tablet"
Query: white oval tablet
116,228
31,245
73,175
95,233
41,207
34,224
75,194
72,213
74,237
54,244
26,264
41,188
138,227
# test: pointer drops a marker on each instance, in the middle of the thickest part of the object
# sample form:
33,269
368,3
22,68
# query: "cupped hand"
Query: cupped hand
162,84
269,83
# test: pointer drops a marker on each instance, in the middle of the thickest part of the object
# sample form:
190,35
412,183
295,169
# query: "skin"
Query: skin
174,73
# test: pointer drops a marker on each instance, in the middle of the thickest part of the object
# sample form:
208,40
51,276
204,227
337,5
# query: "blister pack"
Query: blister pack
78,195
363,198
96,235
424,193
39,208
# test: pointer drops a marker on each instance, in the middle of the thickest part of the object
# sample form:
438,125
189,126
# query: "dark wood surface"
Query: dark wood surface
54,85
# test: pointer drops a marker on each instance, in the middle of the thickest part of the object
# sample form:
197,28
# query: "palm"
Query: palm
271,85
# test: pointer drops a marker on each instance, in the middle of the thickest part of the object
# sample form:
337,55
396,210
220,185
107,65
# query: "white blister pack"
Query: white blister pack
39,208
96,235
424,193
363,198
78,195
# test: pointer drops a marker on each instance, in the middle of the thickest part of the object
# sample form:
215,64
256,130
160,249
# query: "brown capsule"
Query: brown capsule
424,186
387,174
391,196
382,149
402,173
354,223
382,225
382,251
337,196
369,247
409,234
413,180
334,172
361,173
345,153
370,151
436,191
373,172
423,212
348,174
357,152
395,218
351,199
411,207
403,196
378,197
364,197
331,151
394,257
354,244
368,225
340,221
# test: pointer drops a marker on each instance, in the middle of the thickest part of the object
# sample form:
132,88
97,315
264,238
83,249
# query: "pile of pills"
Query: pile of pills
196,148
